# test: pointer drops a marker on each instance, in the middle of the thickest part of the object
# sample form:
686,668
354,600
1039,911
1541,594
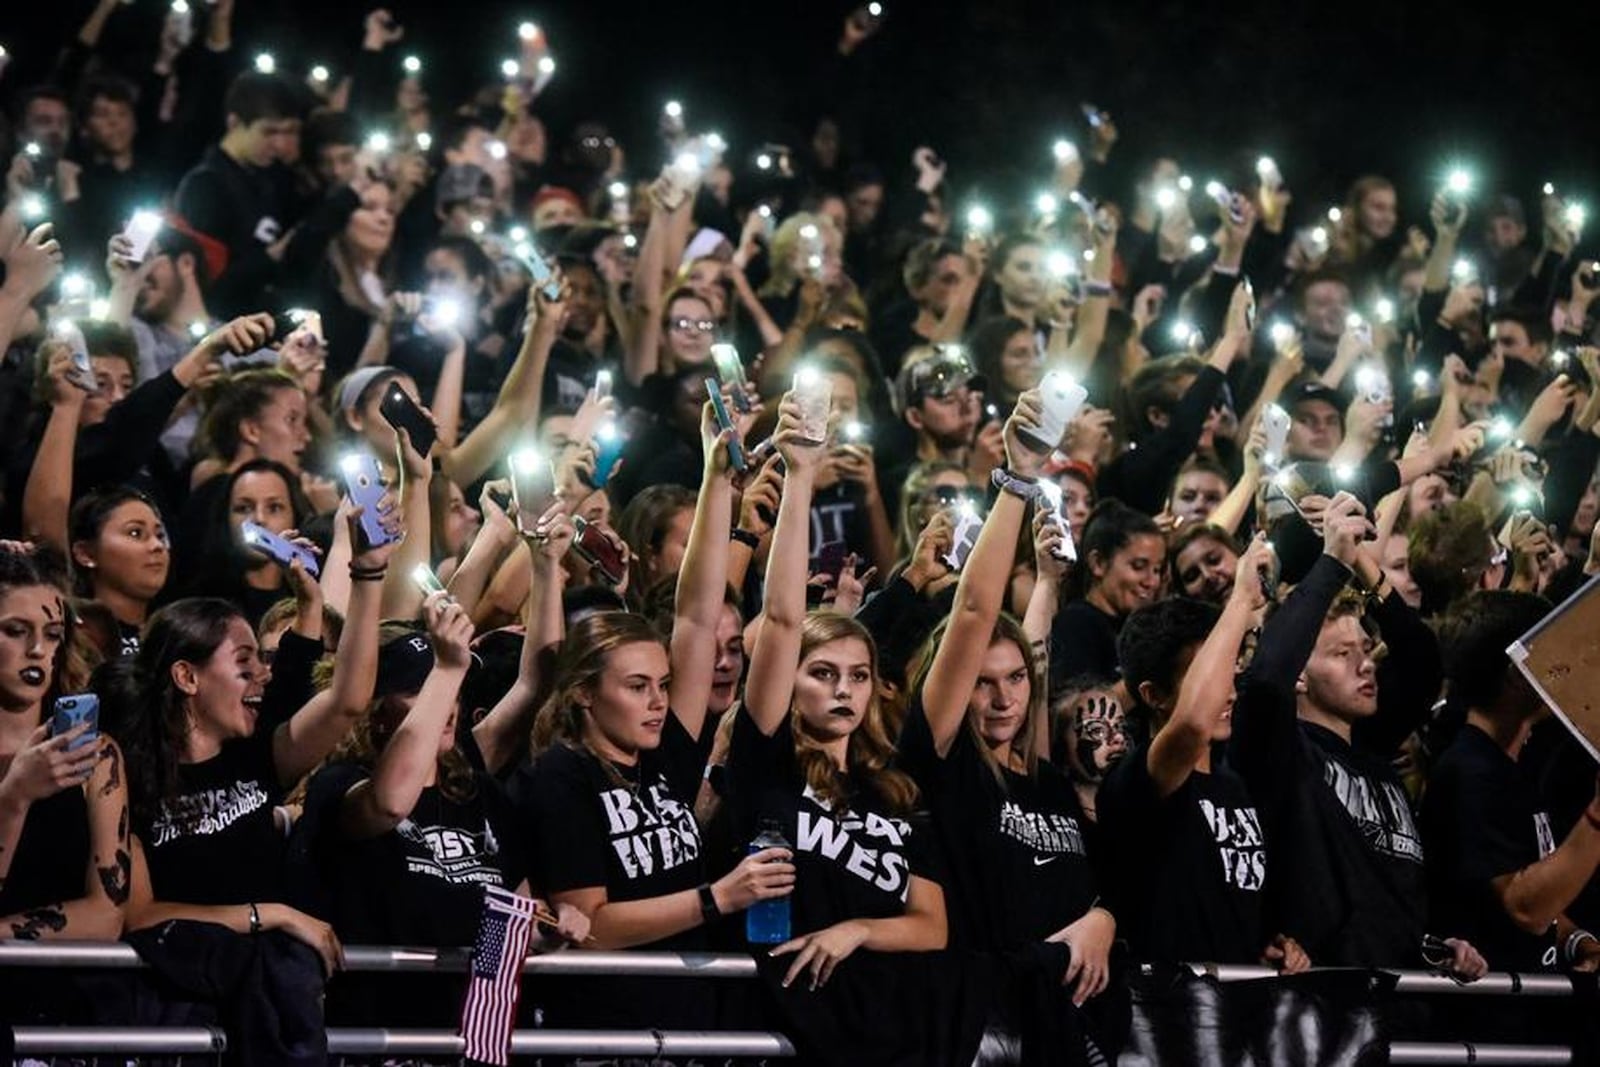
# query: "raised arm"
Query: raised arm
643,354
703,581
776,655
980,593
516,408
1090,328
312,732
47,499
494,541
410,760
1207,690
501,733
1231,512
402,597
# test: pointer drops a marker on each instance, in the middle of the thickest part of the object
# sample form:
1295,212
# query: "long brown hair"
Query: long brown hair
1006,628
870,753
579,665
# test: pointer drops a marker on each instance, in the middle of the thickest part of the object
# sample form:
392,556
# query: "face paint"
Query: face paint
1101,737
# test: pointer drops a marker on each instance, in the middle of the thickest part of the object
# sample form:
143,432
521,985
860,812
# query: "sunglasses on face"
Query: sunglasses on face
695,325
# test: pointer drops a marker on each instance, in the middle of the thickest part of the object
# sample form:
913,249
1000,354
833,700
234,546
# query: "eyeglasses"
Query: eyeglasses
695,325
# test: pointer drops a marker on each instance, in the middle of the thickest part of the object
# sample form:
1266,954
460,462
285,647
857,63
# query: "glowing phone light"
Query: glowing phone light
319,73
265,63
1046,204
411,65
510,68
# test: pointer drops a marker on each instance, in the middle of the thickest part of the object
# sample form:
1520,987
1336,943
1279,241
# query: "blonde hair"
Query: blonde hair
786,242
870,753
578,667
1006,628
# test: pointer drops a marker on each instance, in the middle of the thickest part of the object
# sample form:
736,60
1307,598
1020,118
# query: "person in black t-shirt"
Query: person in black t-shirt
1495,872
1123,552
63,805
1189,857
1317,722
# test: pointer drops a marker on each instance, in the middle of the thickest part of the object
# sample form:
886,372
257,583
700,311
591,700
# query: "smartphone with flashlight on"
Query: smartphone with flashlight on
608,446
730,368
364,482
592,545
81,373
533,486
424,578
969,523
278,548
736,458
403,413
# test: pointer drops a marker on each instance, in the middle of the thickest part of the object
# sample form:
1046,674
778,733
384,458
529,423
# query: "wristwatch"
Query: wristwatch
709,912
1026,489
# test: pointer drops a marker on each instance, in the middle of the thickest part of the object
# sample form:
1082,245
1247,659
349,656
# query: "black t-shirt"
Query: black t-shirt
629,829
839,517
422,882
217,841
1019,870
851,862
1083,641
1481,819
47,866
1187,870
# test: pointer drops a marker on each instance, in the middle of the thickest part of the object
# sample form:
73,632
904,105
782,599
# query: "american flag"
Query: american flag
491,1007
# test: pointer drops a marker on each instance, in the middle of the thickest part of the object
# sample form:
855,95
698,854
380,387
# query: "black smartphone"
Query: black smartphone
401,412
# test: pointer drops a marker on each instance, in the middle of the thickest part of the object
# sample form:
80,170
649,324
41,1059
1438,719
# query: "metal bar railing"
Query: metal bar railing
381,958
118,1040
1447,1053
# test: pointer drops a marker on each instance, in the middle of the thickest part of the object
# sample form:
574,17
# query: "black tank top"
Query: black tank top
52,855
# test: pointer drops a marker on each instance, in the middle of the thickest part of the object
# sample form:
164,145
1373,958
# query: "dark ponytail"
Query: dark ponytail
1111,526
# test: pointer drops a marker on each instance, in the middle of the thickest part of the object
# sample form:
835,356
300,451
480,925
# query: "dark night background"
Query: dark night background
1331,90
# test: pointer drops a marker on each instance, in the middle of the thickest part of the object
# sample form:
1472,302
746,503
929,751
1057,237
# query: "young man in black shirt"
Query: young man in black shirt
1188,858
241,194
942,283
1316,723
1494,869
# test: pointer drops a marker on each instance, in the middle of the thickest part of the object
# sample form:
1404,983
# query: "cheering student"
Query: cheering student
976,737
1316,723
1122,552
1495,870
1188,854
619,749
213,748
267,494
1204,559
63,801
811,758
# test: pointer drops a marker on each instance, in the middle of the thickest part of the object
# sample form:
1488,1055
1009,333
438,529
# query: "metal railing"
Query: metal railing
373,959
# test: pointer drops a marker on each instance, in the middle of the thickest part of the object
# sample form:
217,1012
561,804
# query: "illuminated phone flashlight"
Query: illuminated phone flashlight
528,31
496,148
1549,189
478,227
1500,428
265,63
180,7
1522,496
765,211
1267,170
547,65
689,163
715,142
509,69
518,234
1334,214
197,329
1575,216
1282,334
979,220
1065,151
378,141
1185,183
1088,255
1559,358
319,74
100,308
1182,331
1458,182
630,241
1046,205
1368,379
425,579
1462,270
809,232
411,65
526,460
1421,381
446,312
32,150
855,431
424,141
1197,244
1344,473
1319,234
1217,191
1384,309
31,207
1354,321
875,9
763,162
1060,264
673,110
74,286
1166,197
617,190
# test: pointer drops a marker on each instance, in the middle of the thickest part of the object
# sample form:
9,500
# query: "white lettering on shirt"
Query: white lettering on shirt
832,835
1041,831
209,812
650,832
1380,810
1541,829
453,854
1237,833
268,229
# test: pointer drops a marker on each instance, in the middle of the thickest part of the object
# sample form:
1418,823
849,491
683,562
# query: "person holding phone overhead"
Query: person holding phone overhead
812,758
976,738
63,796
620,748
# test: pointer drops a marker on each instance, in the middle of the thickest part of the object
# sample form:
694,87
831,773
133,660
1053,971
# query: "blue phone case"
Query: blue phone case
543,276
735,449
365,483
280,548
607,451
72,711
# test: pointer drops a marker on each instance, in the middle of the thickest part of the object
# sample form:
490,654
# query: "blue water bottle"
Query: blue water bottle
766,922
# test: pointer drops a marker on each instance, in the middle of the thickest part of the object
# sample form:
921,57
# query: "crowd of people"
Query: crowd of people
399,501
